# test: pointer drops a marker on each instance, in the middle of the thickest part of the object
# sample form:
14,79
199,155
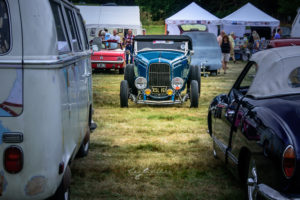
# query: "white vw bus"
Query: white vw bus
45,97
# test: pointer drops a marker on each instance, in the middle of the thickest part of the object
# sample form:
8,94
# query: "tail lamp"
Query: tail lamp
289,161
13,159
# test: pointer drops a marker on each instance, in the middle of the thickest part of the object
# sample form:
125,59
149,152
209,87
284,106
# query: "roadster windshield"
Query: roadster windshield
161,44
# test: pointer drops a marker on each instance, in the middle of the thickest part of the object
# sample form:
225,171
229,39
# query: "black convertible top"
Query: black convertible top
175,38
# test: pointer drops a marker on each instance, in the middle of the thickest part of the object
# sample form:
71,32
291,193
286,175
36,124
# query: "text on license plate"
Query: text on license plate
101,65
159,89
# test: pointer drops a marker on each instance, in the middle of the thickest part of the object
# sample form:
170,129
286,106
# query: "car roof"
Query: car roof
176,38
274,68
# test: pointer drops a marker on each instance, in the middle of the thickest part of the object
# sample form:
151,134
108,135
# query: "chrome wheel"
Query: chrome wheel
252,180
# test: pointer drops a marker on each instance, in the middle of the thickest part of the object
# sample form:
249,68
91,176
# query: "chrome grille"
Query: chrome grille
159,75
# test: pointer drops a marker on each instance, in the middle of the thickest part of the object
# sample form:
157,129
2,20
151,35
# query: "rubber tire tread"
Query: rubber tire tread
194,95
195,74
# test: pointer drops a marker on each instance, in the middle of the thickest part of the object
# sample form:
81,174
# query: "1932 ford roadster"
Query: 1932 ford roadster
161,72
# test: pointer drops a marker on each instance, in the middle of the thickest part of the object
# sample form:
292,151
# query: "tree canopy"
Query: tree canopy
156,10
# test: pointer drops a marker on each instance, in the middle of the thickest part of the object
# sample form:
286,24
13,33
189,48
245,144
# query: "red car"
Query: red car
111,56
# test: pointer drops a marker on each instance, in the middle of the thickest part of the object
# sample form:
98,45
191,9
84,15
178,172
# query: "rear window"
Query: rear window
294,78
4,28
63,44
74,33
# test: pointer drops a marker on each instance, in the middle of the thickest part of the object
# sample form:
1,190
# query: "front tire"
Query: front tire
194,95
195,74
129,76
124,94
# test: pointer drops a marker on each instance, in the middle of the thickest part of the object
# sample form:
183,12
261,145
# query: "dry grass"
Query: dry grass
153,152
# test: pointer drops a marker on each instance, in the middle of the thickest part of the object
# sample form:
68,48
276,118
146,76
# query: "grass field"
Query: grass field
153,152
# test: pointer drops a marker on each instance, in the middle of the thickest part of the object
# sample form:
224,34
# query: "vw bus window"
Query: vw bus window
75,38
4,28
63,45
83,30
294,78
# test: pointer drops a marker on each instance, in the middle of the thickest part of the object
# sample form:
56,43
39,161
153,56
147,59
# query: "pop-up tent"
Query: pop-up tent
111,17
192,14
248,15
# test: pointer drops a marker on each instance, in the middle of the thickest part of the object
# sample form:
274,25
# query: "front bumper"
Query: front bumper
139,100
152,102
269,193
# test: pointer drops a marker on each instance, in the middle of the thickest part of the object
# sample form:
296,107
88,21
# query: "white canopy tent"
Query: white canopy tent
112,17
192,14
248,15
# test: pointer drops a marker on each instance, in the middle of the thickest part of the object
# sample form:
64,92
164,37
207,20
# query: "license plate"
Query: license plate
159,90
101,65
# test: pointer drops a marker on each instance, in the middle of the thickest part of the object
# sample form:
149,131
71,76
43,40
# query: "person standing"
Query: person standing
278,34
98,40
128,42
231,40
107,34
225,48
115,36
220,37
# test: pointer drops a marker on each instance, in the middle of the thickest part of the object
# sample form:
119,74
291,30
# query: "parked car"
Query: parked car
45,97
284,42
207,54
255,127
110,56
161,72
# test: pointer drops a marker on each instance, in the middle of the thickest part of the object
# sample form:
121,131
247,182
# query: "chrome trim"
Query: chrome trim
46,64
150,102
108,61
232,157
12,137
269,193
222,146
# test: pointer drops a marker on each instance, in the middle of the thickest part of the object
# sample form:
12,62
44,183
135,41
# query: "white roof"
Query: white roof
193,13
111,16
274,69
249,15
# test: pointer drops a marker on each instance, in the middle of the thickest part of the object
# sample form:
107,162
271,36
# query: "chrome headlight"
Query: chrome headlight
140,83
177,83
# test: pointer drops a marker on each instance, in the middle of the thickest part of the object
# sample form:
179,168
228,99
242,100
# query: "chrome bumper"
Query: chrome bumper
167,102
138,100
269,193
108,61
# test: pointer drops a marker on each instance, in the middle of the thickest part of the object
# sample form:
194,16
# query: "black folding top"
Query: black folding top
175,38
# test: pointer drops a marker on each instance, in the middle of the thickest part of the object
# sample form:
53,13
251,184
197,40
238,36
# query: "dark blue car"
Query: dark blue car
161,72
256,126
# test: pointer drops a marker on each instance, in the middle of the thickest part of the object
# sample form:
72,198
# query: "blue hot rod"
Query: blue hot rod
255,127
161,72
